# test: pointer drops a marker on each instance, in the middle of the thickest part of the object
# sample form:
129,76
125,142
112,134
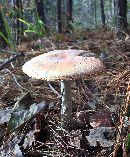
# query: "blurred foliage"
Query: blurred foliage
128,143
9,36
86,14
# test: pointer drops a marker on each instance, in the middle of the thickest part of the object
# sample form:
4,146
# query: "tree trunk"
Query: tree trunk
40,10
102,13
95,12
110,4
18,22
59,20
69,15
122,14
115,11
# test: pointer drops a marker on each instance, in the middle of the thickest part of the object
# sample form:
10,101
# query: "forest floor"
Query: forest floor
26,130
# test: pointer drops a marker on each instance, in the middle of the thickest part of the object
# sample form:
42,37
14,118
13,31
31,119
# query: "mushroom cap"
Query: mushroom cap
63,65
71,52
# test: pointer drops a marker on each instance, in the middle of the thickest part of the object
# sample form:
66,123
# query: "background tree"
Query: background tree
102,12
95,12
40,10
59,20
111,8
69,15
122,14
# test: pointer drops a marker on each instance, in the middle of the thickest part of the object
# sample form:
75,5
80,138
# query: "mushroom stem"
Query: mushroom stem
66,105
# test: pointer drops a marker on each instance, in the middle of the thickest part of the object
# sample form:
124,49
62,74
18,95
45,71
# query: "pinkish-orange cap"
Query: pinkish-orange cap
62,66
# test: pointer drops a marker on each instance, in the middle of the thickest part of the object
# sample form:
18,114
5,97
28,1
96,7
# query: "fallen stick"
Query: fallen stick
7,52
13,58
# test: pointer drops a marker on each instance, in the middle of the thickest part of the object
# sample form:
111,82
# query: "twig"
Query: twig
52,88
58,136
8,52
15,79
119,140
13,58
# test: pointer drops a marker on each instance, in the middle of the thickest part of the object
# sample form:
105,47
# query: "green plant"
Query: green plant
103,47
9,38
37,28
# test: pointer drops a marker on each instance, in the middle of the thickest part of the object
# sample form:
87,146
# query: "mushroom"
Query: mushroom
64,66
